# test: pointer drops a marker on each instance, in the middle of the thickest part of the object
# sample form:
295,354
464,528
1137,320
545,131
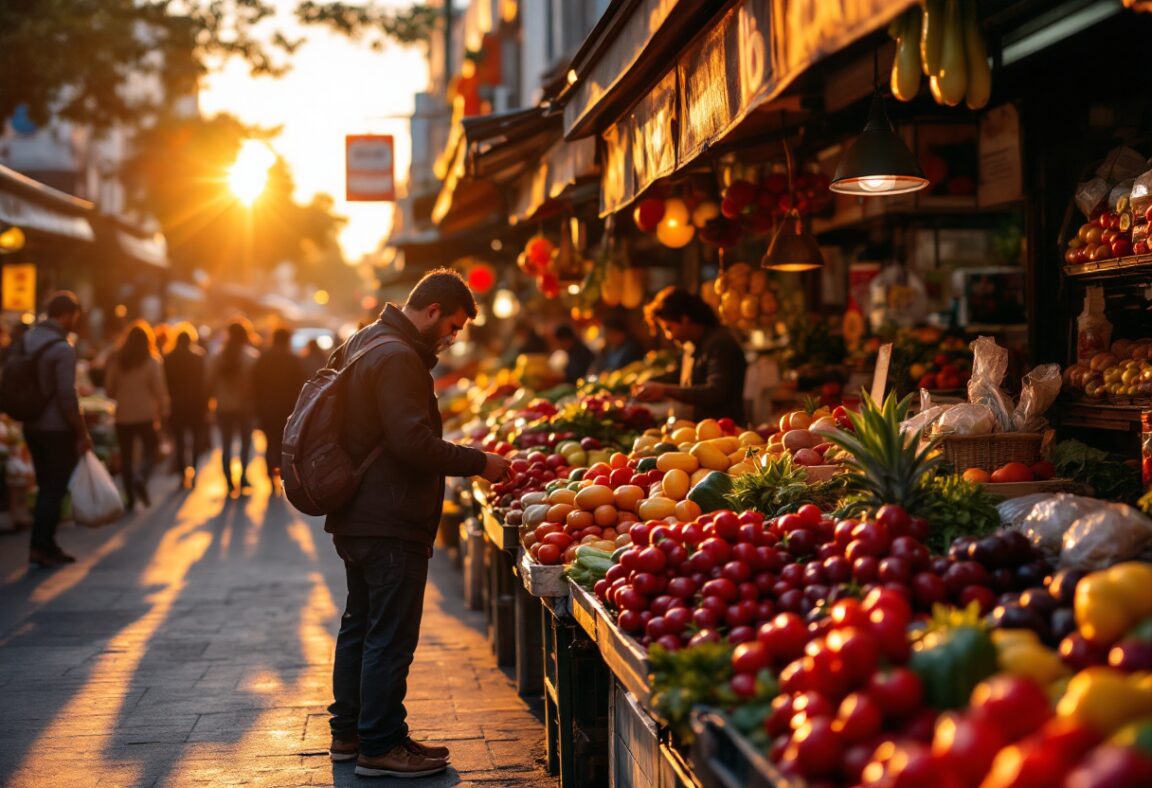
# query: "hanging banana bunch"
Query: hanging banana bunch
943,40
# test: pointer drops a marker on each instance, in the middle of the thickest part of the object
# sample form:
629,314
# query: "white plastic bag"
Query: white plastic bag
95,499
1110,535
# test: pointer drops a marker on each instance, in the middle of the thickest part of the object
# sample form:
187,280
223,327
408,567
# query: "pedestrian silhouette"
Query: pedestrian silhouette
314,359
230,382
185,368
277,378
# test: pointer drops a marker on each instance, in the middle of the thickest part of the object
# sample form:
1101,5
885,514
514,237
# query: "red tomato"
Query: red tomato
726,525
744,685
651,559
968,744
1017,705
784,637
888,599
751,657
859,717
815,749
549,553
898,691
858,648
810,514
560,539
847,612
809,706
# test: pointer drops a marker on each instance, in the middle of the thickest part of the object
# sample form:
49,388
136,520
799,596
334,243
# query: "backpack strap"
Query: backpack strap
345,367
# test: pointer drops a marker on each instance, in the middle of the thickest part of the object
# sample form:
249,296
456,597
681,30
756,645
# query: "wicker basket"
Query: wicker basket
990,452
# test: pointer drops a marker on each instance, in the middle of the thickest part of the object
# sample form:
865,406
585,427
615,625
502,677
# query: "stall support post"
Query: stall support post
529,643
576,686
500,604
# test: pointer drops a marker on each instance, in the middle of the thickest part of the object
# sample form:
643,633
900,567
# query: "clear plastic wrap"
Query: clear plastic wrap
1014,511
966,419
1121,163
1040,389
1141,194
1092,195
989,365
1116,532
1047,524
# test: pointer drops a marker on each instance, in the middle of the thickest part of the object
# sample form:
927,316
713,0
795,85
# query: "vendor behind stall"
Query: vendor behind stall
620,347
712,363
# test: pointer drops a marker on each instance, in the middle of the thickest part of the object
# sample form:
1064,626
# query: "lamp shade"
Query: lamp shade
878,163
792,249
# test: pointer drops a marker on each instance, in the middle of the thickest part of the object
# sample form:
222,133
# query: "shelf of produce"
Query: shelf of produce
624,656
1124,418
721,756
1135,267
504,537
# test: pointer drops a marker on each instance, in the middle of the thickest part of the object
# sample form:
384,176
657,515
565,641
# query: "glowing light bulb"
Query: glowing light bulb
878,184
504,304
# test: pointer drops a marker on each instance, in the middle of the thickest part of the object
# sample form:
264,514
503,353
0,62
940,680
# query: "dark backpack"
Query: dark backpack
318,474
20,394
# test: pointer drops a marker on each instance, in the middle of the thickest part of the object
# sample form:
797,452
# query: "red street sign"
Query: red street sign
369,168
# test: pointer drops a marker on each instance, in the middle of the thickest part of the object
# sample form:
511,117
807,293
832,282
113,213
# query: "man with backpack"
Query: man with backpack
384,533
56,435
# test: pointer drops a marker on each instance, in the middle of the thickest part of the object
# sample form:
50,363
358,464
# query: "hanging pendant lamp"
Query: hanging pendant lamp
878,163
792,248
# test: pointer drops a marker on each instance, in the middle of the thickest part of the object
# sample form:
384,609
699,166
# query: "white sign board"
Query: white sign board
370,175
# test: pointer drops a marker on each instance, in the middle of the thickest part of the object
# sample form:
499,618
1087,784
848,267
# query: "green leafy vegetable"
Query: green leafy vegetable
1110,478
779,486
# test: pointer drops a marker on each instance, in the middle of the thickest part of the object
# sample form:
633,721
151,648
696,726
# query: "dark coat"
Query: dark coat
277,379
390,399
718,370
184,372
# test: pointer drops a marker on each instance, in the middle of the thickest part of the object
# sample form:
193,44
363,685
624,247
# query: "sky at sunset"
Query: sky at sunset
336,87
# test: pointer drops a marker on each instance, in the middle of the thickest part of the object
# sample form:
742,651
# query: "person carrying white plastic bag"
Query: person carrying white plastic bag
95,497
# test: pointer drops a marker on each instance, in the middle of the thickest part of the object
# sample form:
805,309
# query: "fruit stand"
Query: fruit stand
770,623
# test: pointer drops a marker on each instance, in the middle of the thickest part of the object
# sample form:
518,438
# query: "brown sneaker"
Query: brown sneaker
399,762
341,750
45,558
427,750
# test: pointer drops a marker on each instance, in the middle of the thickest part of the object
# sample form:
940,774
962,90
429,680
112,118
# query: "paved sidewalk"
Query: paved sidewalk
191,644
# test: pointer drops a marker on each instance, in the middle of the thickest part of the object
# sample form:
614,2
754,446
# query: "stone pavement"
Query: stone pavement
191,644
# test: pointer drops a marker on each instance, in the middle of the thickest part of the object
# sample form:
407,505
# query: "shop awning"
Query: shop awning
562,173
125,240
491,152
30,205
743,59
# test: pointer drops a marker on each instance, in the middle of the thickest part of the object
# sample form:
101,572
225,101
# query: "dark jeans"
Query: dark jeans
273,430
54,457
126,436
230,424
182,429
378,636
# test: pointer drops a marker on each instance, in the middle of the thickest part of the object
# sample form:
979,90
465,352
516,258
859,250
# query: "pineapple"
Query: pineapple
888,467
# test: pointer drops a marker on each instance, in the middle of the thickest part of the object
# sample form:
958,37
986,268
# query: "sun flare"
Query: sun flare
249,175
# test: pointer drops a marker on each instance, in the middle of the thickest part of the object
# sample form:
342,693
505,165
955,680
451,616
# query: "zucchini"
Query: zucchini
711,493
976,56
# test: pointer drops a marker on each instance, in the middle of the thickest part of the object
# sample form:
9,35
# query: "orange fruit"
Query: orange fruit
977,475
1012,472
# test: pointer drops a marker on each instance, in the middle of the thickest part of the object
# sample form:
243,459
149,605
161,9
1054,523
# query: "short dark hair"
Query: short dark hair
445,287
673,303
62,302
281,337
564,331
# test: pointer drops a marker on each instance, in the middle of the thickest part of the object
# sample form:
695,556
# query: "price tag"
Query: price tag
880,376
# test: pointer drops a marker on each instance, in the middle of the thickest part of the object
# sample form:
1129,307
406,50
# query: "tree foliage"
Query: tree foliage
89,60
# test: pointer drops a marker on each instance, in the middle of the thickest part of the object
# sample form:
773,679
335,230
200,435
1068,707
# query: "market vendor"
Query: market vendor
710,378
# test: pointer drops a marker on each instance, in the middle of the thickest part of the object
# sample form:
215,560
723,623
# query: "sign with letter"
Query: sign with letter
18,286
370,175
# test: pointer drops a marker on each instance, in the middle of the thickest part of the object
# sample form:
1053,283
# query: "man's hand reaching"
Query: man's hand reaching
495,467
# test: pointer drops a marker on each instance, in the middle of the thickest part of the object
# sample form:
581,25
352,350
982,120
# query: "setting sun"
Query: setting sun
249,175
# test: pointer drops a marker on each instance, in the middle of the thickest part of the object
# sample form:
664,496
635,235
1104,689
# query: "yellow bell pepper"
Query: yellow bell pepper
1107,699
1020,653
1110,602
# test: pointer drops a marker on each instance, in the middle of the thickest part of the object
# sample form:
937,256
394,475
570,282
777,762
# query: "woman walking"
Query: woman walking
135,380
184,369
230,382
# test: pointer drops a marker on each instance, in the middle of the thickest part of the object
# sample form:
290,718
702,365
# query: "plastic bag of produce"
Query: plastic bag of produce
965,419
1141,194
1091,195
927,416
1040,389
1120,164
1049,520
1112,534
989,365
1014,510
